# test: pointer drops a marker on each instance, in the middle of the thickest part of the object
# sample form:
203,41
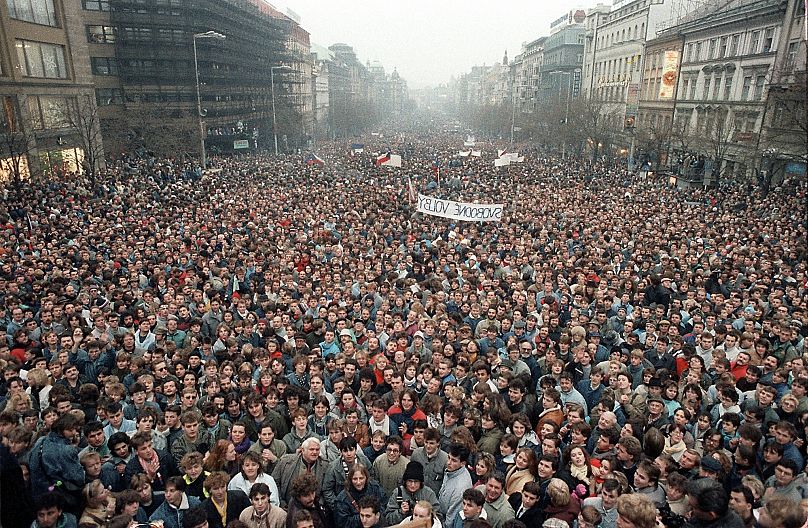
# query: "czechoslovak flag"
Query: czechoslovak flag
380,160
313,159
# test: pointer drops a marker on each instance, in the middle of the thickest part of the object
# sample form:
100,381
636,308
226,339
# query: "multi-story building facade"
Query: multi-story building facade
784,132
660,77
45,87
149,57
526,75
563,58
613,57
727,67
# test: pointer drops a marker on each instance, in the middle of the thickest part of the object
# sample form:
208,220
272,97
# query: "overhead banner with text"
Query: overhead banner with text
469,212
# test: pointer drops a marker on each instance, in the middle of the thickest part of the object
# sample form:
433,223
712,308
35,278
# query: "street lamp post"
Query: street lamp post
199,112
272,69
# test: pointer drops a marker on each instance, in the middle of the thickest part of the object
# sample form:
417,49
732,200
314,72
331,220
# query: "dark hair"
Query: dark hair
459,451
196,516
474,495
177,483
369,501
48,500
710,496
259,488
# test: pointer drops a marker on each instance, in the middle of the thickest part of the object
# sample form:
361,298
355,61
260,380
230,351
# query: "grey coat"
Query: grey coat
434,467
334,480
393,514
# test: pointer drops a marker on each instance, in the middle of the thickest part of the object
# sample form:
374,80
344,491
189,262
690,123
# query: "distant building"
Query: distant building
45,79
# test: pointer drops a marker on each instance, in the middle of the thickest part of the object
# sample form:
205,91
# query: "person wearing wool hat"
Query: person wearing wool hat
405,496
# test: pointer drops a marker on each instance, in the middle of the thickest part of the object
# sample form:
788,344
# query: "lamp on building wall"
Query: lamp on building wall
199,111
272,69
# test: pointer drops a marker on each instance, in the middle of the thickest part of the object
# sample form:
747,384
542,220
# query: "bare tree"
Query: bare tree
594,122
654,139
82,116
15,147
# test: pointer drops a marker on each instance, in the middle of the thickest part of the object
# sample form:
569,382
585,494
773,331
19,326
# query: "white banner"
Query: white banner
476,153
459,210
464,154
502,162
394,161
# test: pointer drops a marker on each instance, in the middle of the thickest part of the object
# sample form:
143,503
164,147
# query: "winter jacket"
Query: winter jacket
389,475
498,511
171,516
289,467
451,492
53,458
434,467
393,515
334,480
346,515
237,502
516,479
274,518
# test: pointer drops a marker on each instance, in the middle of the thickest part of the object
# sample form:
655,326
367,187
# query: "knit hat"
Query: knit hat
413,471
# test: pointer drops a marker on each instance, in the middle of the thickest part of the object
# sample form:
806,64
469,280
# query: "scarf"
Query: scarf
243,446
151,467
580,473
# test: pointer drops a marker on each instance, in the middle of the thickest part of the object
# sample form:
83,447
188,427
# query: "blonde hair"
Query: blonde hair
559,492
638,509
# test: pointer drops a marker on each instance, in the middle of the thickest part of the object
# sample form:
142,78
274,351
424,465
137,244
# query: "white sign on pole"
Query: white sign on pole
469,212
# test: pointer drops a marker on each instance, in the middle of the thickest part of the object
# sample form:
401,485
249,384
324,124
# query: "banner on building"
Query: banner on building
670,71
469,212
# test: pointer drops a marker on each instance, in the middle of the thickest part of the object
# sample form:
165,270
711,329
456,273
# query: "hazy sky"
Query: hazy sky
428,41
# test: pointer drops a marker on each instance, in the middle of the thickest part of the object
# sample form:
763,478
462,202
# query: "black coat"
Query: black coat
237,502
532,517
167,469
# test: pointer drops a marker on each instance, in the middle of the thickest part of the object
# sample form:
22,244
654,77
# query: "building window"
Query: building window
727,86
137,34
760,82
733,45
38,59
95,5
707,82
104,66
697,52
108,96
101,34
689,53
713,48
50,112
747,85
36,11
722,47
693,88
685,88
791,56
716,86
768,40
754,42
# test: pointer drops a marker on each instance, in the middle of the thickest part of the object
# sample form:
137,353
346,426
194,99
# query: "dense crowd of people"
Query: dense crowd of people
281,344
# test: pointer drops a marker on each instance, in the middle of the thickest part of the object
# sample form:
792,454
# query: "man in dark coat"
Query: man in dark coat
304,498
526,505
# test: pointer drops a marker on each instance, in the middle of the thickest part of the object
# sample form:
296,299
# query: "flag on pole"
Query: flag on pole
313,159
382,159
390,160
